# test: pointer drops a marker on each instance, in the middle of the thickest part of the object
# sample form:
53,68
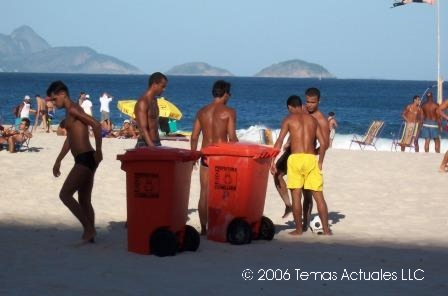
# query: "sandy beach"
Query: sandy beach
388,214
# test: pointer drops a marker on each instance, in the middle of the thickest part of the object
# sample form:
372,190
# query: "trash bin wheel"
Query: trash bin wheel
239,232
192,239
267,229
163,243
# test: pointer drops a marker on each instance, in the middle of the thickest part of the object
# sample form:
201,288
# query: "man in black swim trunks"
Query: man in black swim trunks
147,111
280,183
80,178
217,123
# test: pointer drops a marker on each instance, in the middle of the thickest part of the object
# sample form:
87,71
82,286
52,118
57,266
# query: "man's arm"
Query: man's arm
441,108
231,126
195,134
57,164
279,142
323,145
404,114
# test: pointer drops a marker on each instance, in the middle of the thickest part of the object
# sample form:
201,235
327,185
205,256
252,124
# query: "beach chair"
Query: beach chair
20,147
370,137
408,134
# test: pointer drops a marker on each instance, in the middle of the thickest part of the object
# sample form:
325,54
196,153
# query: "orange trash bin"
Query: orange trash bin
238,176
157,193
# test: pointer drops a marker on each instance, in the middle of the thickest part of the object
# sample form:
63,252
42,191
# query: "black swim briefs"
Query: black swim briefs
87,159
142,143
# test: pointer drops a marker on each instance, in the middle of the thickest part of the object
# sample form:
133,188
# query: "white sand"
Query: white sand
388,210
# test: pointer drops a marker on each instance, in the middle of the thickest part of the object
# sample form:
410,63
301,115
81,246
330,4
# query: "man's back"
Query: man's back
302,130
430,110
217,124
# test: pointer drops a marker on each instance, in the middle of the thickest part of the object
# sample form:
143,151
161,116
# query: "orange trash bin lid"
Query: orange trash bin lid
159,153
240,149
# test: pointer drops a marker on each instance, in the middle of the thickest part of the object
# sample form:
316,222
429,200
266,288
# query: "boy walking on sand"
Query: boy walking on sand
304,170
80,178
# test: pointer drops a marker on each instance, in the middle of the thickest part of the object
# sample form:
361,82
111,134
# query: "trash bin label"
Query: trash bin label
225,178
146,185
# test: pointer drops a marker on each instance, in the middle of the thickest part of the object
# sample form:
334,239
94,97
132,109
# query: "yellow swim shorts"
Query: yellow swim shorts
303,171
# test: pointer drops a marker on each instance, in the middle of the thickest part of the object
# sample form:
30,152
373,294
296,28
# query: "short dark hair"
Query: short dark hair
156,77
415,98
220,88
294,101
331,113
313,92
26,120
56,87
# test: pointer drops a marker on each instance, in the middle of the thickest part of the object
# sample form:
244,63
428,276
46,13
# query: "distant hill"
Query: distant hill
295,68
25,51
198,69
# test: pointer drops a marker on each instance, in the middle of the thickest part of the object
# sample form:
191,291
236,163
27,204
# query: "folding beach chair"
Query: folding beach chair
20,147
370,137
408,134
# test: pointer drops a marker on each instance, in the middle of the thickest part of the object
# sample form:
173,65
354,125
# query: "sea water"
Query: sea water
260,102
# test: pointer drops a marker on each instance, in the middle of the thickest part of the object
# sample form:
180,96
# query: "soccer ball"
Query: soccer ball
316,225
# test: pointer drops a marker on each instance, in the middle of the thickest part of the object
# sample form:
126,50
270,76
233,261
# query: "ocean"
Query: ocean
260,102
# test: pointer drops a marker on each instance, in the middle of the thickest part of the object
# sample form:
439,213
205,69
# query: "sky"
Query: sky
350,38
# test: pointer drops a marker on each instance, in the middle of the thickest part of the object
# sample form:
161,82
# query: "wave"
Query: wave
254,134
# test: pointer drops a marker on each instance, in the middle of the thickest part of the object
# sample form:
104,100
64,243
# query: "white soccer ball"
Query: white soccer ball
316,225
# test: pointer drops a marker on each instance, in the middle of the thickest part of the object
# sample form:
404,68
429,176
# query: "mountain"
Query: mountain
295,68
198,69
26,51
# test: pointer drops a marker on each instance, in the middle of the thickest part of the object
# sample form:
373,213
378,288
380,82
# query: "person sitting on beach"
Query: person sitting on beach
80,179
412,114
13,137
127,131
441,112
304,170
106,128
333,124
432,124
217,123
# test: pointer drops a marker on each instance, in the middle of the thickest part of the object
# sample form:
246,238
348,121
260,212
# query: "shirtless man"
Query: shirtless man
80,178
441,112
41,113
304,170
147,111
432,125
413,114
217,122
312,96
50,112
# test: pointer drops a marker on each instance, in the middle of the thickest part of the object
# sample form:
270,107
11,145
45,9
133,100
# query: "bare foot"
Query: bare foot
288,211
443,169
304,227
296,232
89,236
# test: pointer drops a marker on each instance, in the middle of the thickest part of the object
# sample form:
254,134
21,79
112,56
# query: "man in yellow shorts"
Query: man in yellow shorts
304,170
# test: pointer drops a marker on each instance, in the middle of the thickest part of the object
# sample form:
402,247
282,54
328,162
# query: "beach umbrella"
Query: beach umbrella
166,108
